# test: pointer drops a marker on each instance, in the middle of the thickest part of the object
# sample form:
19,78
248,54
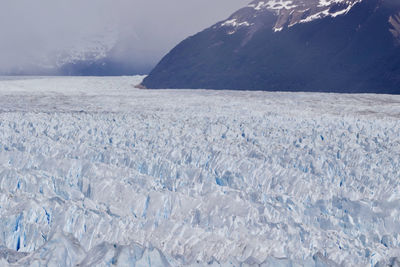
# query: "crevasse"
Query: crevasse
158,178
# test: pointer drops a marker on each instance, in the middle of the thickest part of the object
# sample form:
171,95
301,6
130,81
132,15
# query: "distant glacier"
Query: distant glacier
94,172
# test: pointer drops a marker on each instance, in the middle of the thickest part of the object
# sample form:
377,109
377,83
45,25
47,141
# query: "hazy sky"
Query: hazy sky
36,32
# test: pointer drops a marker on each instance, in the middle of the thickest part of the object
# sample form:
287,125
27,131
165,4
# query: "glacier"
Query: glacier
94,172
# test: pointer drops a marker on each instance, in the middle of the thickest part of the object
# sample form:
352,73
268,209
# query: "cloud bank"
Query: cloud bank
45,32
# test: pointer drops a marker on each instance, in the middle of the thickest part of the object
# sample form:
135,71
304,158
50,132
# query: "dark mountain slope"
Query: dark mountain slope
354,52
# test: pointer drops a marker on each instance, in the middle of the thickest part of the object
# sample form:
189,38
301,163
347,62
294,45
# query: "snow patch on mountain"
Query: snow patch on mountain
235,25
328,12
323,3
395,26
273,5
290,13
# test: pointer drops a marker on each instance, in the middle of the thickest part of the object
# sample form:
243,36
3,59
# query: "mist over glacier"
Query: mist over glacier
97,173
43,36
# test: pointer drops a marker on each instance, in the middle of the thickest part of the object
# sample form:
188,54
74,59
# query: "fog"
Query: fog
38,33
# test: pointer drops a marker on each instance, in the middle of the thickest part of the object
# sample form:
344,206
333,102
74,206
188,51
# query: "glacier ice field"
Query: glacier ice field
94,172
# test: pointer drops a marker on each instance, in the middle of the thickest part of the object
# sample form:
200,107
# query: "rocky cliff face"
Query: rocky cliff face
299,45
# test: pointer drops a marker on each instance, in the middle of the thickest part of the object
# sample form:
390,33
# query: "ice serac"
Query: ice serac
96,173
350,46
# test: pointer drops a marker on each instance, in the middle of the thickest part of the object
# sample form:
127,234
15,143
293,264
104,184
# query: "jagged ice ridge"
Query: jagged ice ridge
95,172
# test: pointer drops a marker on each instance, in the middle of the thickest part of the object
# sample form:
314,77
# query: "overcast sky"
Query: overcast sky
33,32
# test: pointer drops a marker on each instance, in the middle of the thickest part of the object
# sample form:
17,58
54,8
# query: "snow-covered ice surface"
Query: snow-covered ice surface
97,173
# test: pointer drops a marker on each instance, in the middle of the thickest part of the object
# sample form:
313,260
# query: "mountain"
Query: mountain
94,54
346,46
